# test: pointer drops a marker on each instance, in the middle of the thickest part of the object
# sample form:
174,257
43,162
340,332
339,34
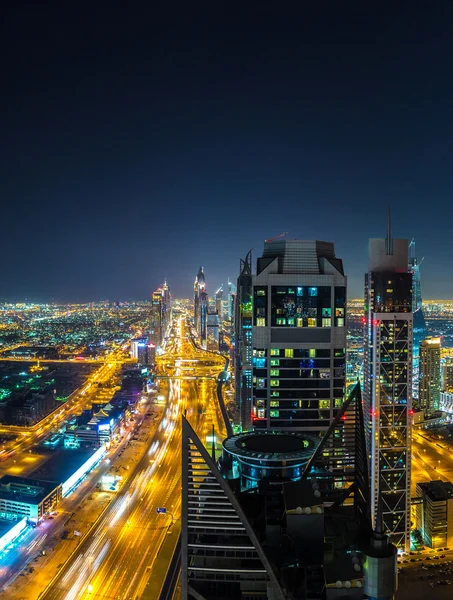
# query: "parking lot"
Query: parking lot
424,574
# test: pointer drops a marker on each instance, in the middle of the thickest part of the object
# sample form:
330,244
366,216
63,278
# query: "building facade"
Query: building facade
388,383
435,513
291,337
419,326
430,374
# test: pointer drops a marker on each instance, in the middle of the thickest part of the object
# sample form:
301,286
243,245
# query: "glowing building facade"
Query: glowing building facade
419,326
388,383
430,374
291,337
201,308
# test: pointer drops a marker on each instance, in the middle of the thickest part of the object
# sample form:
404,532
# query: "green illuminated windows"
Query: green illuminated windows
275,413
338,402
275,382
275,362
275,373
275,394
289,353
260,322
281,321
275,403
327,322
324,404
299,322
275,352
312,353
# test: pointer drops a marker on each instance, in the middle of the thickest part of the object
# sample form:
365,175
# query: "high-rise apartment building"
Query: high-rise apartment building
430,374
388,383
291,337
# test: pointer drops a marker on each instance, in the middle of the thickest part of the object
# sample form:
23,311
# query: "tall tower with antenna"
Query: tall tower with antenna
388,383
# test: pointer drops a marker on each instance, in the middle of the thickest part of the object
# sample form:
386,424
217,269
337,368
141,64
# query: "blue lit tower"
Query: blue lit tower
419,318
388,384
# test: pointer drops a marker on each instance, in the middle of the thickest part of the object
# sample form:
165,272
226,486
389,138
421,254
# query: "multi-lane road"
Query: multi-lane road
118,557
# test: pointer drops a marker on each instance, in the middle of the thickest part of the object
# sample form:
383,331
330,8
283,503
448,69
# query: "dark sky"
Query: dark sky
139,142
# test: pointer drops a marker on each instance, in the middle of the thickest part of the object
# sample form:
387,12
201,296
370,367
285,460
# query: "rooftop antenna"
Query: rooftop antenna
277,236
388,239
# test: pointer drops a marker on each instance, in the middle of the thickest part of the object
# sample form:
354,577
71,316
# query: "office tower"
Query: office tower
166,307
219,304
200,298
290,323
231,297
388,382
139,350
243,342
419,326
447,374
156,325
430,374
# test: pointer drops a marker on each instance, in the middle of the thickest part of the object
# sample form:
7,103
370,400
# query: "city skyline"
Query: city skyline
124,161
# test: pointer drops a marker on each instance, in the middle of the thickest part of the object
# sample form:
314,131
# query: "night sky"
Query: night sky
140,142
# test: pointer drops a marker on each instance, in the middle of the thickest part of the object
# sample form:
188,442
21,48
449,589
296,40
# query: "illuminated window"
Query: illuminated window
275,362
260,322
275,403
260,291
324,404
339,312
275,352
289,353
259,363
275,382
275,413
312,353
312,291
291,322
311,322
338,402
275,373
261,383
261,413
281,321
300,291
340,322
299,322
275,394
327,322
327,312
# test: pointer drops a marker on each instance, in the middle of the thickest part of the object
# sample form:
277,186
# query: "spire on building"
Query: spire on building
388,239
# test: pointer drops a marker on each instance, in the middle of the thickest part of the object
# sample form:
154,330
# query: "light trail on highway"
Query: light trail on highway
118,556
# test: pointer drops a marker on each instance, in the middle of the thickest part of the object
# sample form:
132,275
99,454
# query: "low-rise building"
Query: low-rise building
435,514
30,498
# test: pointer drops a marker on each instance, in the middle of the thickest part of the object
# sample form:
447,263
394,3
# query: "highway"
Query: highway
117,558
430,460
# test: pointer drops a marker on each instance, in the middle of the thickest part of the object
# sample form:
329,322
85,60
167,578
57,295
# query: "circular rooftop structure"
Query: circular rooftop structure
269,454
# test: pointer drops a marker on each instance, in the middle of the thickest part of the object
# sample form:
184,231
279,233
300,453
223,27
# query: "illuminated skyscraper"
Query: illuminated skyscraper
160,314
430,374
201,307
419,326
156,328
388,383
219,304
290,340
